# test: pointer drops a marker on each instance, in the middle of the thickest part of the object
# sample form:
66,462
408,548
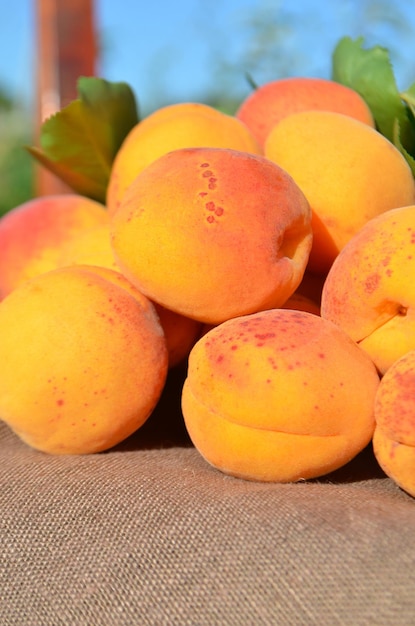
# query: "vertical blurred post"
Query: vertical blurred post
66,49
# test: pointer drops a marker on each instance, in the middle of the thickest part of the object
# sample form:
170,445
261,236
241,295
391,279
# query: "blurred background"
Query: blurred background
188,51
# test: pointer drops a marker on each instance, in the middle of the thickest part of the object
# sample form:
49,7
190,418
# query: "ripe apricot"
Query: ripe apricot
369,292
86,361
348,172
183,125
394,436
212,233
268,104
33,234
280,395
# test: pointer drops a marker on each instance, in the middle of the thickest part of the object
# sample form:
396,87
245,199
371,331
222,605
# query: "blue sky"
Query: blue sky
175,51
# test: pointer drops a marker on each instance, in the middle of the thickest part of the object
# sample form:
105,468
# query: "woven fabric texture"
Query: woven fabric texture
149,534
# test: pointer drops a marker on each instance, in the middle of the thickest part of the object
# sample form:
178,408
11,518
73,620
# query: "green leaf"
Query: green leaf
370,73
79,143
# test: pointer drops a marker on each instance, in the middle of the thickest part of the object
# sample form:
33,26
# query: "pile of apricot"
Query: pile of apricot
269,252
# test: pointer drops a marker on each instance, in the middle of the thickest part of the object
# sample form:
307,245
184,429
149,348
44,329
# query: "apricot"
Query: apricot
348,172
212,233
183,125
279,395
86,361
368,291
33,234
270,103
394,436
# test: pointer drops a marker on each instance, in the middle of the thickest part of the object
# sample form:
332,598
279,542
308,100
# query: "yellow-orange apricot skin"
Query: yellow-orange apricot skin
33,234
213,233
91,247
83,362
369,292
182,125
279,395
394,436
348,172
270,103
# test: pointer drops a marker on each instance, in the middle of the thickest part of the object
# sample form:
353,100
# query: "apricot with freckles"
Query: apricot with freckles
271,102
212,233
369,292
348,172
83,361
182,125
279,395
394,436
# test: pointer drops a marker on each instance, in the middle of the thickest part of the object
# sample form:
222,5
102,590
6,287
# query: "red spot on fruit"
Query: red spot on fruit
210,206
220,358
204,165
202,194
207,174
321,355
60,402
372,282
210,219
272,362
234,347
263,336
219,210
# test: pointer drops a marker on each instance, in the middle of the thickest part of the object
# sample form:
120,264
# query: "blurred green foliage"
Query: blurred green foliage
16,165
16,174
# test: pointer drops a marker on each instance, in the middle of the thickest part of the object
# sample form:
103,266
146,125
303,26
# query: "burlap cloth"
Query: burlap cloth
149,533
